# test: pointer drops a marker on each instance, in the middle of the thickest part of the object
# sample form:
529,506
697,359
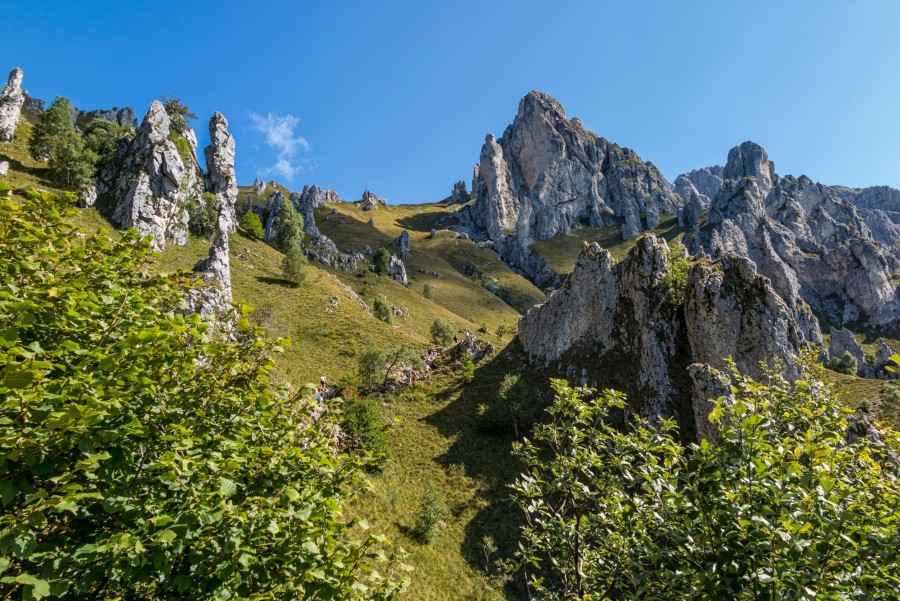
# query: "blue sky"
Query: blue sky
398,96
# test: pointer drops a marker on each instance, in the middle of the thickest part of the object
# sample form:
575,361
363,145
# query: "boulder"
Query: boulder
397,270
402,244
11,100
4,167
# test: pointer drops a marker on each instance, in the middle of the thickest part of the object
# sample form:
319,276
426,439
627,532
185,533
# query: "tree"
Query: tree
203,214
252,225
103,138
364,432
428,292
178,112
71,164
52,126
381,309
441,332
376,366
845,364
381,260
288,226
777,506
144,453
295,266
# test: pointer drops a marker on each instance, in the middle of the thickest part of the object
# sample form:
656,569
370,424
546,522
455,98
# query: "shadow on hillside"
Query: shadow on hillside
275,281
486,458
425,222
39,173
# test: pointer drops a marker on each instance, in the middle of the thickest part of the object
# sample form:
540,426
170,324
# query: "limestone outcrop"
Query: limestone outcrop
397,270
214,295
812,244
639,325
220,176
697,188
11,100
402,244
259,187
460,193
123,117
370,202
159,174
879,206
548,175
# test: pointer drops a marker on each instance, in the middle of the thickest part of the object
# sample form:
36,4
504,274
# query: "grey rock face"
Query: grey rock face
548,175
460,193
124,117
882,359
623,326
259,187
697,188
812,244
221,179
214,296
402,244
397,270
370,202
4,167
11,100
154,184
33,106
843,341
879,206
267,215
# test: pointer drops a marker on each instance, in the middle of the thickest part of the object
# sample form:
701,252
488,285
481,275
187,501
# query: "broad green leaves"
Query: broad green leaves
779,506
143,453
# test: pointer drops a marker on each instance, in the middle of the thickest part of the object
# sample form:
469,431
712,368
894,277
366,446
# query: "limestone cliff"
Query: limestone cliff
548,175
11,100
640,324
159,175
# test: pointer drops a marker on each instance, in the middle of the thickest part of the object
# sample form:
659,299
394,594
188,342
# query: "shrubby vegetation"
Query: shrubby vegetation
252,225
381,260
288,226
364,431
144,454
441,332
203,214
381,309
778,506
511,411
845,364
53,139
376,366
432,510
295,265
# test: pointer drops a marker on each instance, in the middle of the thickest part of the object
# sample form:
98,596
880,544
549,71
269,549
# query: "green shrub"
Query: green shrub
288,226
252,225
381,309
427,292
144,453
182,147
364,432
441,332
203,214
467,367
777,506
674,280
503,330
510,412
845,364
294,265
432,511
381,261
376,366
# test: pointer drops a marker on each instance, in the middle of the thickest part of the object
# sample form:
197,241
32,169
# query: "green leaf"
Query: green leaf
39,588
227,487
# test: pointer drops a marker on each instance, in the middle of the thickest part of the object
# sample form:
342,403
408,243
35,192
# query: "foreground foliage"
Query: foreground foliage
144,454
779,506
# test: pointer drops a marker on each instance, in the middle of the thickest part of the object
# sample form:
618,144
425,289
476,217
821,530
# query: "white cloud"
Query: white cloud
280,136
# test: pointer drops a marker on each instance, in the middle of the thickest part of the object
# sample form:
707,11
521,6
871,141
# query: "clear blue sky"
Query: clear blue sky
398,96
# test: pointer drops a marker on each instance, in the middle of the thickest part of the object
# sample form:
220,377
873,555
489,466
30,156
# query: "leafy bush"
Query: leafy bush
381,309
381,260
252,225
178,112
432,510
428,292
294,265
511,411
674,280
467,367
143,453
54,139
203,214
182,147
845,364
53,125
288,226
441,332
503,330
364,431
778,506
376,366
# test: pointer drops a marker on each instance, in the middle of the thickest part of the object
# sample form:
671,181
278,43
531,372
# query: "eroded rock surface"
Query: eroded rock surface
548,175
633,326
11,100
402,244
157,179
397,270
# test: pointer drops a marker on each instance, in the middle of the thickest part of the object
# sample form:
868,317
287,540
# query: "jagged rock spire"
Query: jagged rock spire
11,100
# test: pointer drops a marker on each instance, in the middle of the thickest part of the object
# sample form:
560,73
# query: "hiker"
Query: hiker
322,384
456,339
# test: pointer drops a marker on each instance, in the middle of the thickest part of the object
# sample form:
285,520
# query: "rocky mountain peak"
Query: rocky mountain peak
750,160
220,170
11,100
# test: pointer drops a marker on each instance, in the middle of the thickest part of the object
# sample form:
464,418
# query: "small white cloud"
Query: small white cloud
280,136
